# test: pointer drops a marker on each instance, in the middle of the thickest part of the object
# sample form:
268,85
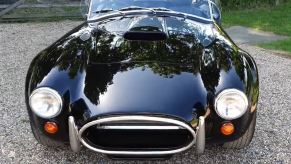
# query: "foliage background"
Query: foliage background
248,4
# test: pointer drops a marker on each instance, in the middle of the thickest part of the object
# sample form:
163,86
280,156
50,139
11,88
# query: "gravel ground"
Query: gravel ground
20,42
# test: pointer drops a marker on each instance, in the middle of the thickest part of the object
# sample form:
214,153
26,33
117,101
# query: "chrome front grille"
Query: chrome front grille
137,135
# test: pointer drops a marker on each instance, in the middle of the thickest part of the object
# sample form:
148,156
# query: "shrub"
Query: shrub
246,4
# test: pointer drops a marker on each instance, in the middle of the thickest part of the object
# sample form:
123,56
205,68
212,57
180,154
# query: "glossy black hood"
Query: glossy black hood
99,72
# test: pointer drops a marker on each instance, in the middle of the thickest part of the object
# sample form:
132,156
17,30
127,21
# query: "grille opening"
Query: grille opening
137,135
137,139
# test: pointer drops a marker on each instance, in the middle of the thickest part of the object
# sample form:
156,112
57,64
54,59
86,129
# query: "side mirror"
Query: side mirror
84,8
216,12
216,17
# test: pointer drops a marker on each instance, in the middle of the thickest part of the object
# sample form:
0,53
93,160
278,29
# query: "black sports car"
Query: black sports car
144,79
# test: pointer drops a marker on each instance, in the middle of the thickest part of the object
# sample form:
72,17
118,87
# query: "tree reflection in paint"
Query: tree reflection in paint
107,53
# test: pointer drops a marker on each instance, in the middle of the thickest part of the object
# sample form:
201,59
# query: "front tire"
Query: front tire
244,140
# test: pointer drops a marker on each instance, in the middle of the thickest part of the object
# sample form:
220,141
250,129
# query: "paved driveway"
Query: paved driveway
20,42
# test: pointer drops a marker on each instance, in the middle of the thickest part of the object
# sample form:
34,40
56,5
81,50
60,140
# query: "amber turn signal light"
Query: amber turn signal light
227,128
51,127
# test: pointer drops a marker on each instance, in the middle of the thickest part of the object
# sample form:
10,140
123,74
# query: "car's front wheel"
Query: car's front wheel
244,140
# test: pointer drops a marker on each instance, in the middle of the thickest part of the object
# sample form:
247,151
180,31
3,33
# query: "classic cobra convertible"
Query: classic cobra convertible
144,79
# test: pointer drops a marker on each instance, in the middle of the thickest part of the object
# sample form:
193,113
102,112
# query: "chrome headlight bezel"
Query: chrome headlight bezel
230,93
53,94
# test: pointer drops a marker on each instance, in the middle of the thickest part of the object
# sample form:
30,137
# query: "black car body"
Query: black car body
142,83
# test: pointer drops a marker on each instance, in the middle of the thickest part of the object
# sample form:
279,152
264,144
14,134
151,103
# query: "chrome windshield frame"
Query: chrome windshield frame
92,19
148,12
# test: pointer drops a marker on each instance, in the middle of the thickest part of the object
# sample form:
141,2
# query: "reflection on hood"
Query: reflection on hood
190,48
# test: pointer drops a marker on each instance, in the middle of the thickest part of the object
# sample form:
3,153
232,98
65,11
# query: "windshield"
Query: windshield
198,8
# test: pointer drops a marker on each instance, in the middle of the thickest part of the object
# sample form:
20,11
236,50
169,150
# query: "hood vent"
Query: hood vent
147,36
147,28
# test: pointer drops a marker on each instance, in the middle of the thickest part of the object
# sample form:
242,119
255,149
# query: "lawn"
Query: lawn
283,45
39,14
273,19
49,11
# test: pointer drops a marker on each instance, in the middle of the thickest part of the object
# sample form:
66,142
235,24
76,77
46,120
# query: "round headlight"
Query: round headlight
231,104
45,102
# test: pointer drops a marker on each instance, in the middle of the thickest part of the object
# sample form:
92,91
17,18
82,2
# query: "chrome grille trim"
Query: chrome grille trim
141,127
138,118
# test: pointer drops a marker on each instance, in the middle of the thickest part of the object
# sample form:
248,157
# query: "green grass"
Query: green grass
47,1
50,11
283,45
42,14
275,19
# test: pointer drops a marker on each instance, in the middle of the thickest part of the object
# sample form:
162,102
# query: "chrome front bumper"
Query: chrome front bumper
198,137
